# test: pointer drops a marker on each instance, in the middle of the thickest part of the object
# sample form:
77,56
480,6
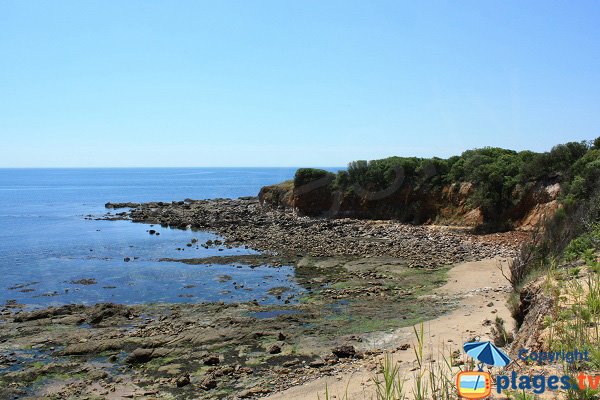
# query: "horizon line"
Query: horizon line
175,167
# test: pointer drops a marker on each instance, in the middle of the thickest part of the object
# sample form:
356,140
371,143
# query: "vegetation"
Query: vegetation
565,249
497,174
432,379
585,246
565,252
572,233
305,176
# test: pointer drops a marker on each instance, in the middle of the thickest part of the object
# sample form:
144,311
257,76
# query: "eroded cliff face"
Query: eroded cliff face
538,203
535,304
450,205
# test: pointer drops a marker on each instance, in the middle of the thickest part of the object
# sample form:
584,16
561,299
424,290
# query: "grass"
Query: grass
523,395
573,324
389,384
575,321
502,337
432,379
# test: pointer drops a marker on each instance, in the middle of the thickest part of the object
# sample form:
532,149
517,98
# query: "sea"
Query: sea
52,253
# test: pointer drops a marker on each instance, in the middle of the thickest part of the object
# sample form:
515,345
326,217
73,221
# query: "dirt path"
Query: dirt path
482,294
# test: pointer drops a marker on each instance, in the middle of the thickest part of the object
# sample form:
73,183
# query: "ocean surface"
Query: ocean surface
47,247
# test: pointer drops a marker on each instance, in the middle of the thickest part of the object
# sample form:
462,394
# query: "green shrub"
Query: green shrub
496,174
584,246
304,176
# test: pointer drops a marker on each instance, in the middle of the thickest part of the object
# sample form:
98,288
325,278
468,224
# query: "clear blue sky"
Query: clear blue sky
291,83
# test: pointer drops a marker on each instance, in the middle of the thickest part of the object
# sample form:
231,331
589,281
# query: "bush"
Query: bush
580,247
495,173
563,156
304,176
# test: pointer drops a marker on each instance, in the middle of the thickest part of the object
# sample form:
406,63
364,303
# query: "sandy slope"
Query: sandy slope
476,285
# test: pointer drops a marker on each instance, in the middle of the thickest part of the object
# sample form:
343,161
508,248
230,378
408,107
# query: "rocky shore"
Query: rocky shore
245,222
359,277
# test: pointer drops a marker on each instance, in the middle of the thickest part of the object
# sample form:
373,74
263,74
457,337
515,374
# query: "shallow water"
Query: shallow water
46,243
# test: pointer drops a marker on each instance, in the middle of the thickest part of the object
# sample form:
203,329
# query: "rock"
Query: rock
97,375
208,383
106,310
183,381
212,359
244,394
344,351
245,370
242,222
91,347
281,337
291,363
88,281
274,349
139,356
317,363
49,312
121,205
143,355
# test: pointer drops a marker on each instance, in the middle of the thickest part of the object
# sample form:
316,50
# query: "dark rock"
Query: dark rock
208,383
88,281
99,312
212,359
121,205
252,392
344,351
139,356
183,381
275,349
48,313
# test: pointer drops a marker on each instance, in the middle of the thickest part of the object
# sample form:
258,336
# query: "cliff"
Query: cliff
451,204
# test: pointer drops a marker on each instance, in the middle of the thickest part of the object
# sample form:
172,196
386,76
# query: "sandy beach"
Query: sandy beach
482,291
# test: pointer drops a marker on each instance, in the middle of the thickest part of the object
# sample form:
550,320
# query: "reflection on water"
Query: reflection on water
50,254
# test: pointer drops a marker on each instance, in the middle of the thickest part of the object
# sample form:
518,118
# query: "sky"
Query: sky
291,83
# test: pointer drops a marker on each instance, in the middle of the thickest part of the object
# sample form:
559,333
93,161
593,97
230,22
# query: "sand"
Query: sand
476,285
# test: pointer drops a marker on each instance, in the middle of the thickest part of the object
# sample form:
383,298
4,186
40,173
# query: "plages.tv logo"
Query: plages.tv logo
478,384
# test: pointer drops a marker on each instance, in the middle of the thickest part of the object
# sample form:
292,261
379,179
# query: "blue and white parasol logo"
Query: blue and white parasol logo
486,353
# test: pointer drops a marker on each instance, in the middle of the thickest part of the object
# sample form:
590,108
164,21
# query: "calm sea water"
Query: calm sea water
46,244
